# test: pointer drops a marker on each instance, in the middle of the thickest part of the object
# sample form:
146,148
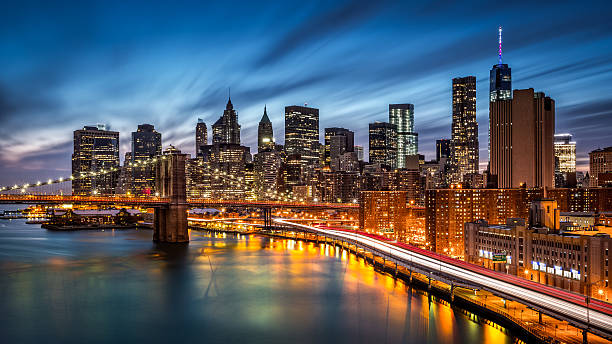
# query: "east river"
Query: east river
118,286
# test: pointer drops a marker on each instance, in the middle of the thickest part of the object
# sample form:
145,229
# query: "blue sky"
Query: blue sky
69,64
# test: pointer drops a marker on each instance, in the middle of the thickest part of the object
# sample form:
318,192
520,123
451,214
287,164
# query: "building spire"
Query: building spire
500,45
229,105
265,118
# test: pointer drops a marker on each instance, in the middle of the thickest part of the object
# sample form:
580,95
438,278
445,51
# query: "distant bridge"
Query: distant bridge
164,201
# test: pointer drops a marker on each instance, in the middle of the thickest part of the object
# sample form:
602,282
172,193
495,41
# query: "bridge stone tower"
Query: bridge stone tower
171,221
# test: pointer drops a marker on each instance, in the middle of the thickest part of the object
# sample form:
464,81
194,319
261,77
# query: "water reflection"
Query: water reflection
100,287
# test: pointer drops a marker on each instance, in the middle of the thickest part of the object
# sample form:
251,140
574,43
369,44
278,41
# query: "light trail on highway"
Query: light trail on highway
597,316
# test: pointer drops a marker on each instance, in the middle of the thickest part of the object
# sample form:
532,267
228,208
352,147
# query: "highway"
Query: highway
598,316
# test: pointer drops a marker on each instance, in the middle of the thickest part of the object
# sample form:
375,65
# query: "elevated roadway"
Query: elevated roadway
589,314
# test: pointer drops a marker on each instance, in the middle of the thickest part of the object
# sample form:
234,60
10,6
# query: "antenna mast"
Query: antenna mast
500,46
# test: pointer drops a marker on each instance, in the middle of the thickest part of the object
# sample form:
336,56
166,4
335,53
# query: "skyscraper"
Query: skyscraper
359,152
267,165
146,144
565,161
464,136
500,89
443,149
338,141
95,150
521,129
565,153
500,82
265,133
226,129
226,159
383,144
302,134
600,167
402,116
201,136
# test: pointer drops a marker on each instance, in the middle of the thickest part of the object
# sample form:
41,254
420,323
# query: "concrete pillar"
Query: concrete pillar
539,317
170,222
267,213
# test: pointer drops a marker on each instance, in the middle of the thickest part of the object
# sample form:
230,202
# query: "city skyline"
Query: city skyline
345,171
127,86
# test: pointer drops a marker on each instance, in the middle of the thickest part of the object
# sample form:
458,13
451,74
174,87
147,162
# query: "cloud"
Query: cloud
320,25
172,64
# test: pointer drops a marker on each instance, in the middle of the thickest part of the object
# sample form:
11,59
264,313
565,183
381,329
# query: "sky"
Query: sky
69,64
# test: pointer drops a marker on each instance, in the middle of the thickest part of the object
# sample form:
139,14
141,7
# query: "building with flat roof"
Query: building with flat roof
95,161
201,138
464,150
302,135
383,144
521,140
577,261
146,144
600,167
393,215
402,116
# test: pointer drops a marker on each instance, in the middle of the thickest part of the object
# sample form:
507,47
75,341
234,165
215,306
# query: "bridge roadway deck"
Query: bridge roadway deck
596,316
59,199
163,201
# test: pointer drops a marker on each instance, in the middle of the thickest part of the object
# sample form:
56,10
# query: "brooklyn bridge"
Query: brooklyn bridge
171,206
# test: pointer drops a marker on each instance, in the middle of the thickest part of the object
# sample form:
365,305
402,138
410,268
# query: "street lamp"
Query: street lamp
588,298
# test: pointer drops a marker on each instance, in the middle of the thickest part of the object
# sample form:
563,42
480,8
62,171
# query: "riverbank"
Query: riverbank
530,326
69,228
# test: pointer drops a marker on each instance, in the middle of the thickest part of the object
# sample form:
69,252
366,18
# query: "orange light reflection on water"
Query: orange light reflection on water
293,263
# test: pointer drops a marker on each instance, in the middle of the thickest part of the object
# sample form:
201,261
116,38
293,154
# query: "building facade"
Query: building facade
392,214
565,160
226,129
443,149
337,187
201,138
521,144
402,116
447,210
565,153
267,167
337,141
383,144
302,135
600,167
359,152
575,261
226,164
146,144
96,152
464,151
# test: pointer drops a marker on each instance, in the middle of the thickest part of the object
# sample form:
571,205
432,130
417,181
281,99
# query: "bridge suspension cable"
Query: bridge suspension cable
82,175
240,182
